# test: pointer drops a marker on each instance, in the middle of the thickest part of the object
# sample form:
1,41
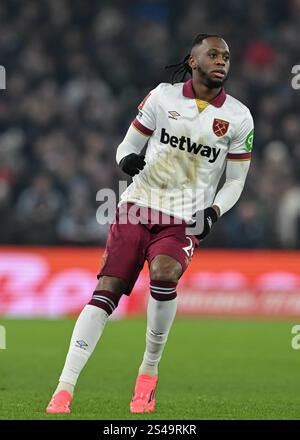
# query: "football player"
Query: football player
194,132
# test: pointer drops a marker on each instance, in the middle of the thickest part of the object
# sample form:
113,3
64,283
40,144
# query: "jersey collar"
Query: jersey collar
188,92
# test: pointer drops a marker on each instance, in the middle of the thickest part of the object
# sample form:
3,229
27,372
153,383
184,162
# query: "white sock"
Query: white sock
160,316
87,331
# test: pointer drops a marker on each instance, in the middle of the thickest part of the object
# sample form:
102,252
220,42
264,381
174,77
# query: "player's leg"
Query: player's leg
165,272
89,327
162,305
124,258
169,254
86,333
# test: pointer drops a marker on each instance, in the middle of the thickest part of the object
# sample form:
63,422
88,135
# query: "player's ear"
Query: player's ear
192,62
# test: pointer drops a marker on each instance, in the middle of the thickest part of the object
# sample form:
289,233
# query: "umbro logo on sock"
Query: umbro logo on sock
155,333
81,344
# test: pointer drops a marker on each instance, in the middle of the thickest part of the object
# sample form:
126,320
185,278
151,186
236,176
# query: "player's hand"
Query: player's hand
210,217
132,164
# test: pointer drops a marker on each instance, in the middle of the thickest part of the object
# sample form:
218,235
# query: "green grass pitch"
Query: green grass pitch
211,369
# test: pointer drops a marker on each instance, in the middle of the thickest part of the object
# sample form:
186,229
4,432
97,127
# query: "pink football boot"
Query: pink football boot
60,403
143,400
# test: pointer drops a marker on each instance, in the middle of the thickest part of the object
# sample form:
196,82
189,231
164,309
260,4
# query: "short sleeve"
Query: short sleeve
145,120
241,145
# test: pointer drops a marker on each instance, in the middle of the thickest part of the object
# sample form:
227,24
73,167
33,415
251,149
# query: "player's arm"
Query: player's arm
128,155
229,194
236,173
238,163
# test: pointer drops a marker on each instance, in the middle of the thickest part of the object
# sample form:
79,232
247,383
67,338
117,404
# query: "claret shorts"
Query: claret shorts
130,243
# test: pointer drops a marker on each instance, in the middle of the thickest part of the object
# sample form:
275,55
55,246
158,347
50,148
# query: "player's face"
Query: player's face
210,61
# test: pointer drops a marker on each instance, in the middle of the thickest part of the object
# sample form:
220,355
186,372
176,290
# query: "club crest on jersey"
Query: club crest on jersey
220,127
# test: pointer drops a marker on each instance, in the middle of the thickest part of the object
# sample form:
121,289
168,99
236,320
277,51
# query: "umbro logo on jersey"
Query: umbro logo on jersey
185,144
173,114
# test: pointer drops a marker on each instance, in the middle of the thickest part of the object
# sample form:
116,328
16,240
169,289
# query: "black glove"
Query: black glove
132,164
210,216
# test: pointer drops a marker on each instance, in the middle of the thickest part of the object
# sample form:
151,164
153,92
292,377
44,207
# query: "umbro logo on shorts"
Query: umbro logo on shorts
185,143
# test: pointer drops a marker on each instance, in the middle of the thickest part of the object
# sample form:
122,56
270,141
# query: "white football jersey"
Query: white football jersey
188,147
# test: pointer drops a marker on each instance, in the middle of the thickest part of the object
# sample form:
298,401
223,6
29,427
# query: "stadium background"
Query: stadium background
76,72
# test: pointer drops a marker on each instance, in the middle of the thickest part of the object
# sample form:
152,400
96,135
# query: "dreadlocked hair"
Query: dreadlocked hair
183,68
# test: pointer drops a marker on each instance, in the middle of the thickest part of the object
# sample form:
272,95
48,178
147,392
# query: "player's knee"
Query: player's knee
108,293
165,268
112,284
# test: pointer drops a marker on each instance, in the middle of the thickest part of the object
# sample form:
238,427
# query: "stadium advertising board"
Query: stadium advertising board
59,281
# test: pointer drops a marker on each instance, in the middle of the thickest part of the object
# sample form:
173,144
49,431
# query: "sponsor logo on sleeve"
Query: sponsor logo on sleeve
249,140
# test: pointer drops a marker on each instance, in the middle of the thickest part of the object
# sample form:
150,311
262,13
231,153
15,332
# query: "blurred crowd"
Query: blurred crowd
76,71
